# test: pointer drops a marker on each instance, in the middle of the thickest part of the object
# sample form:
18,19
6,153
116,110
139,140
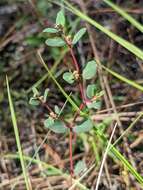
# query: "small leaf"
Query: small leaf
60,20
90,91
89,70
57,126
95,105
101,93
57,110
33,101
46,94
50,30
80,167
48,123
35,92
84,127
68,77
55,42
78,35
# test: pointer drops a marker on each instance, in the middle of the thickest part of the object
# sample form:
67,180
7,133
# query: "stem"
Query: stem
71,156
74,59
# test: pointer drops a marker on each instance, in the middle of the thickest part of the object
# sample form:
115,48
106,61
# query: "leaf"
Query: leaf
80,167
60,20
57,110
49,122
51,30
46,94
68,77
55,126
78,35
101,93
55,42
84,127
95,105
35,92
34,101
90,91
89,70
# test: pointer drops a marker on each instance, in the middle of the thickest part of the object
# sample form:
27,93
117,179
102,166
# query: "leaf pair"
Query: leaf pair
35,99
68,77
55,126
58,41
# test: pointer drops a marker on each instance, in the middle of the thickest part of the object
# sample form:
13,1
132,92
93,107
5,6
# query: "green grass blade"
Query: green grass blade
45,76
129,46
113,149
121,158
14,121
46,166
124,79
129,128
125,15
59,86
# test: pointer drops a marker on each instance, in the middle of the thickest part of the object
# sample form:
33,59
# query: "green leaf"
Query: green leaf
55,126
55,42
95,105
99,94
48,123
51,30
84,127
78,35
90,91
68,77
34,101
80,167
57,110
60,20
35,92
89,70
46,94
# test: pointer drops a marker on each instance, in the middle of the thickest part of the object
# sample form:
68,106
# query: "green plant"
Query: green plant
55,121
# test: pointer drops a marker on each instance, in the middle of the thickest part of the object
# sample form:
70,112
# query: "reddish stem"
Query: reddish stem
74,59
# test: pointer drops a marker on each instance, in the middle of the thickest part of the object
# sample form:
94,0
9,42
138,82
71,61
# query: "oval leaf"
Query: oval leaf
55,42
48,123
90,91
33,101
84,127
50,30
57,109
46,94
95,105
35,92
57,126
78,35
89,70
60,20
80,167
68,77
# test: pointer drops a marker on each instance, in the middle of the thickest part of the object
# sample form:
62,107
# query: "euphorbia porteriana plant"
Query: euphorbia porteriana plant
89,97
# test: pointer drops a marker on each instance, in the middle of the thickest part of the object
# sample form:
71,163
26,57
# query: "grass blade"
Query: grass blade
98,133
125,15
124,79
129,46
121,158
59,86
46,166
104,157
14,121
